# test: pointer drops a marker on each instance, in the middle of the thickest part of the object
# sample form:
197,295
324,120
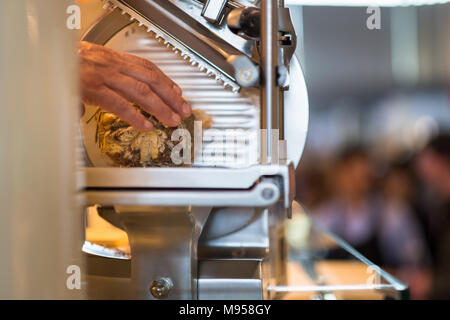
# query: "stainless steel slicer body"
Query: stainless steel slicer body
211,230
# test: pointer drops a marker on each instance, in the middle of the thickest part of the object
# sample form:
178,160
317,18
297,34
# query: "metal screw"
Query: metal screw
245,75
161,288
267,193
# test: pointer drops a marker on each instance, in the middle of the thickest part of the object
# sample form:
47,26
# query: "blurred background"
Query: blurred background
376,169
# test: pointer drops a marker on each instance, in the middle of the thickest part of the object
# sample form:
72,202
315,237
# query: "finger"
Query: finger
142,70
110,101
139,93
151,67
98,53
161,87
170,92
82,109
106,54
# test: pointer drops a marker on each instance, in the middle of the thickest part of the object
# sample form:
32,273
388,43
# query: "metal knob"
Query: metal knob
161,288
245,72
268,193
245,22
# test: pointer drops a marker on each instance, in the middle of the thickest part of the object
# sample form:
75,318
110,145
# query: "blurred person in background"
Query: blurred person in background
351,211
382,228
311,183
433,166
404,243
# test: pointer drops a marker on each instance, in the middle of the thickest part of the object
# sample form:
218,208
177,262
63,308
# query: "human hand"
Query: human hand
112,80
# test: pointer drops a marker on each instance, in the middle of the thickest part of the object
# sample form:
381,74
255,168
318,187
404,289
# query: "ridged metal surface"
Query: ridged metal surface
232,139
172,43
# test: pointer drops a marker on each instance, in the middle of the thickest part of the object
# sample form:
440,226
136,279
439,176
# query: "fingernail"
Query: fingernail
186,109
148,125
176,118
177,89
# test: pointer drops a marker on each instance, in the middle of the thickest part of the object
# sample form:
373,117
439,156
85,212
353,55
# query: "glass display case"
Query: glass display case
313,274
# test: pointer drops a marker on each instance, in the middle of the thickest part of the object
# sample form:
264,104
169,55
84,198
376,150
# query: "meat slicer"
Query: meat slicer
212,230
